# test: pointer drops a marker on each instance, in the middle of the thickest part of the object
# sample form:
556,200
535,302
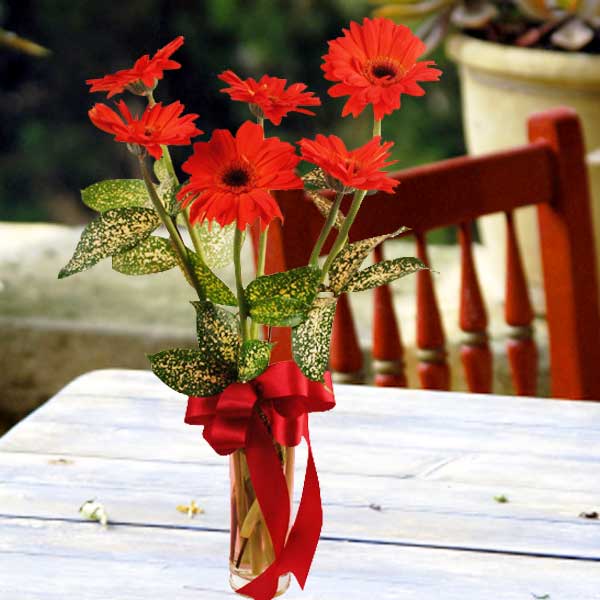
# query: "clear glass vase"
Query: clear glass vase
251,550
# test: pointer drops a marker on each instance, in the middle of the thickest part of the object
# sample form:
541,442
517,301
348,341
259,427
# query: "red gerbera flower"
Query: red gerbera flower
158,125
231,177
269,95
146,71
375,63
357,169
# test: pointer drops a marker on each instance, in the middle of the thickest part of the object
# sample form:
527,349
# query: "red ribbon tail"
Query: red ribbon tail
299,550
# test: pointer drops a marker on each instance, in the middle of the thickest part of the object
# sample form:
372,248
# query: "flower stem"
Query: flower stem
342,236
327,226
237,261
377,127
260,271
186,211
174,234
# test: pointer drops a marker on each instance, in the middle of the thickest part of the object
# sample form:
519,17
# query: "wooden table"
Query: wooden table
409,480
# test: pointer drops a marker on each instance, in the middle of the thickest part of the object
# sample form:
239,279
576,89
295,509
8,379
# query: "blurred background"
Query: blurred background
50,330
49,149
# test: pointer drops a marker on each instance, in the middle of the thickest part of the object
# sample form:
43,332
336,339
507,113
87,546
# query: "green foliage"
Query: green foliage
113,232
214,289
348,261
324,206
311,339
116,193
217,332
253,359
152,255
192,372
283,299
383,272
217,244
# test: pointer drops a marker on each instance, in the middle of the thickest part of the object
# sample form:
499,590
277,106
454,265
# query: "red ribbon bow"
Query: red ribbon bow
286,396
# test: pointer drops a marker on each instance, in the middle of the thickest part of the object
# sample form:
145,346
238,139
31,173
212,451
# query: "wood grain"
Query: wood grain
409,476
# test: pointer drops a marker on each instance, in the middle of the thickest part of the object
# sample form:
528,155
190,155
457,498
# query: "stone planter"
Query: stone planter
501,86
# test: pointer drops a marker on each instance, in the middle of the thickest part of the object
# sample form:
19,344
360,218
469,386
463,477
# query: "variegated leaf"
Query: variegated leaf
282,299
311,339
213,288
152,255
217,332
191,372
114,231
279,312
116,193
217,244
254,359
324,206
315,179
348,261
167,192
384,272
297,284
161,170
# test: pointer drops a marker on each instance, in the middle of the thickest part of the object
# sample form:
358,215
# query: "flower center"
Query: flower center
383,70
236,177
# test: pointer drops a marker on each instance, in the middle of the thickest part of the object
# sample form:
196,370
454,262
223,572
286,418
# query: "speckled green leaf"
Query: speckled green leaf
324,206
152,255
116,193
111,233
348,261
167,192
312,338
215,289
297,284
191,371
217,332
283,299
315,179
279,312
217,244
254,359
384,272
161,170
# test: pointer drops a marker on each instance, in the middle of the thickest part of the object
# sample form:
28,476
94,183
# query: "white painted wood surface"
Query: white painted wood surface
408,480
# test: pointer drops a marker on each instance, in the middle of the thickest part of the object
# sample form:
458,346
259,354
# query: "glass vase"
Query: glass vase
251,550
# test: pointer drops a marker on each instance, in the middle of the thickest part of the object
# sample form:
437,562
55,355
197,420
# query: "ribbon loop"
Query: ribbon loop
231,421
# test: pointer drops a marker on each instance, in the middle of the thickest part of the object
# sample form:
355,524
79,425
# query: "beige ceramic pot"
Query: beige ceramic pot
501,86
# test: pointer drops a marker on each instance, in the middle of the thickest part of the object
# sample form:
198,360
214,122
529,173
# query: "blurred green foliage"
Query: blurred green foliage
49,149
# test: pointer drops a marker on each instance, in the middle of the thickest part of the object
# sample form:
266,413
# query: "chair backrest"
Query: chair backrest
549,172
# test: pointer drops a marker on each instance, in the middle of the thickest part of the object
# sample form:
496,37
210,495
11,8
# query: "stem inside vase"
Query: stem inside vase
251,549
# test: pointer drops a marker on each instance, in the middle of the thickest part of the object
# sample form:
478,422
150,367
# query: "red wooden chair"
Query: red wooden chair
549,172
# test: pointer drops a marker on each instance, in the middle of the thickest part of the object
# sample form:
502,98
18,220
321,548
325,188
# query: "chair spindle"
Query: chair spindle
521,347
475,351
433,369
346,359
388,351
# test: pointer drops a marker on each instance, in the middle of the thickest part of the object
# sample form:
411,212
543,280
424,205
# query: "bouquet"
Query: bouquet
250,409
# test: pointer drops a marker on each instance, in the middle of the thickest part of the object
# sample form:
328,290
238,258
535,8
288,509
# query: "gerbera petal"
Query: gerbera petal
375,63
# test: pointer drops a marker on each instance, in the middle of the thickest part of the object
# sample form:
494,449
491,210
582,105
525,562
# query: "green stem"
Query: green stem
186,211
377,127
342,236
239,284
174,234
260,271
327,226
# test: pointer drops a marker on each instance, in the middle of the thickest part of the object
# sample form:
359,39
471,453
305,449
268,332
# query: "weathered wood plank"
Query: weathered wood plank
405,510
54,561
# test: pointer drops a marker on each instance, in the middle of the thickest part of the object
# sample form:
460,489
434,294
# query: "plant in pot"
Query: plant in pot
517,57
253,410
